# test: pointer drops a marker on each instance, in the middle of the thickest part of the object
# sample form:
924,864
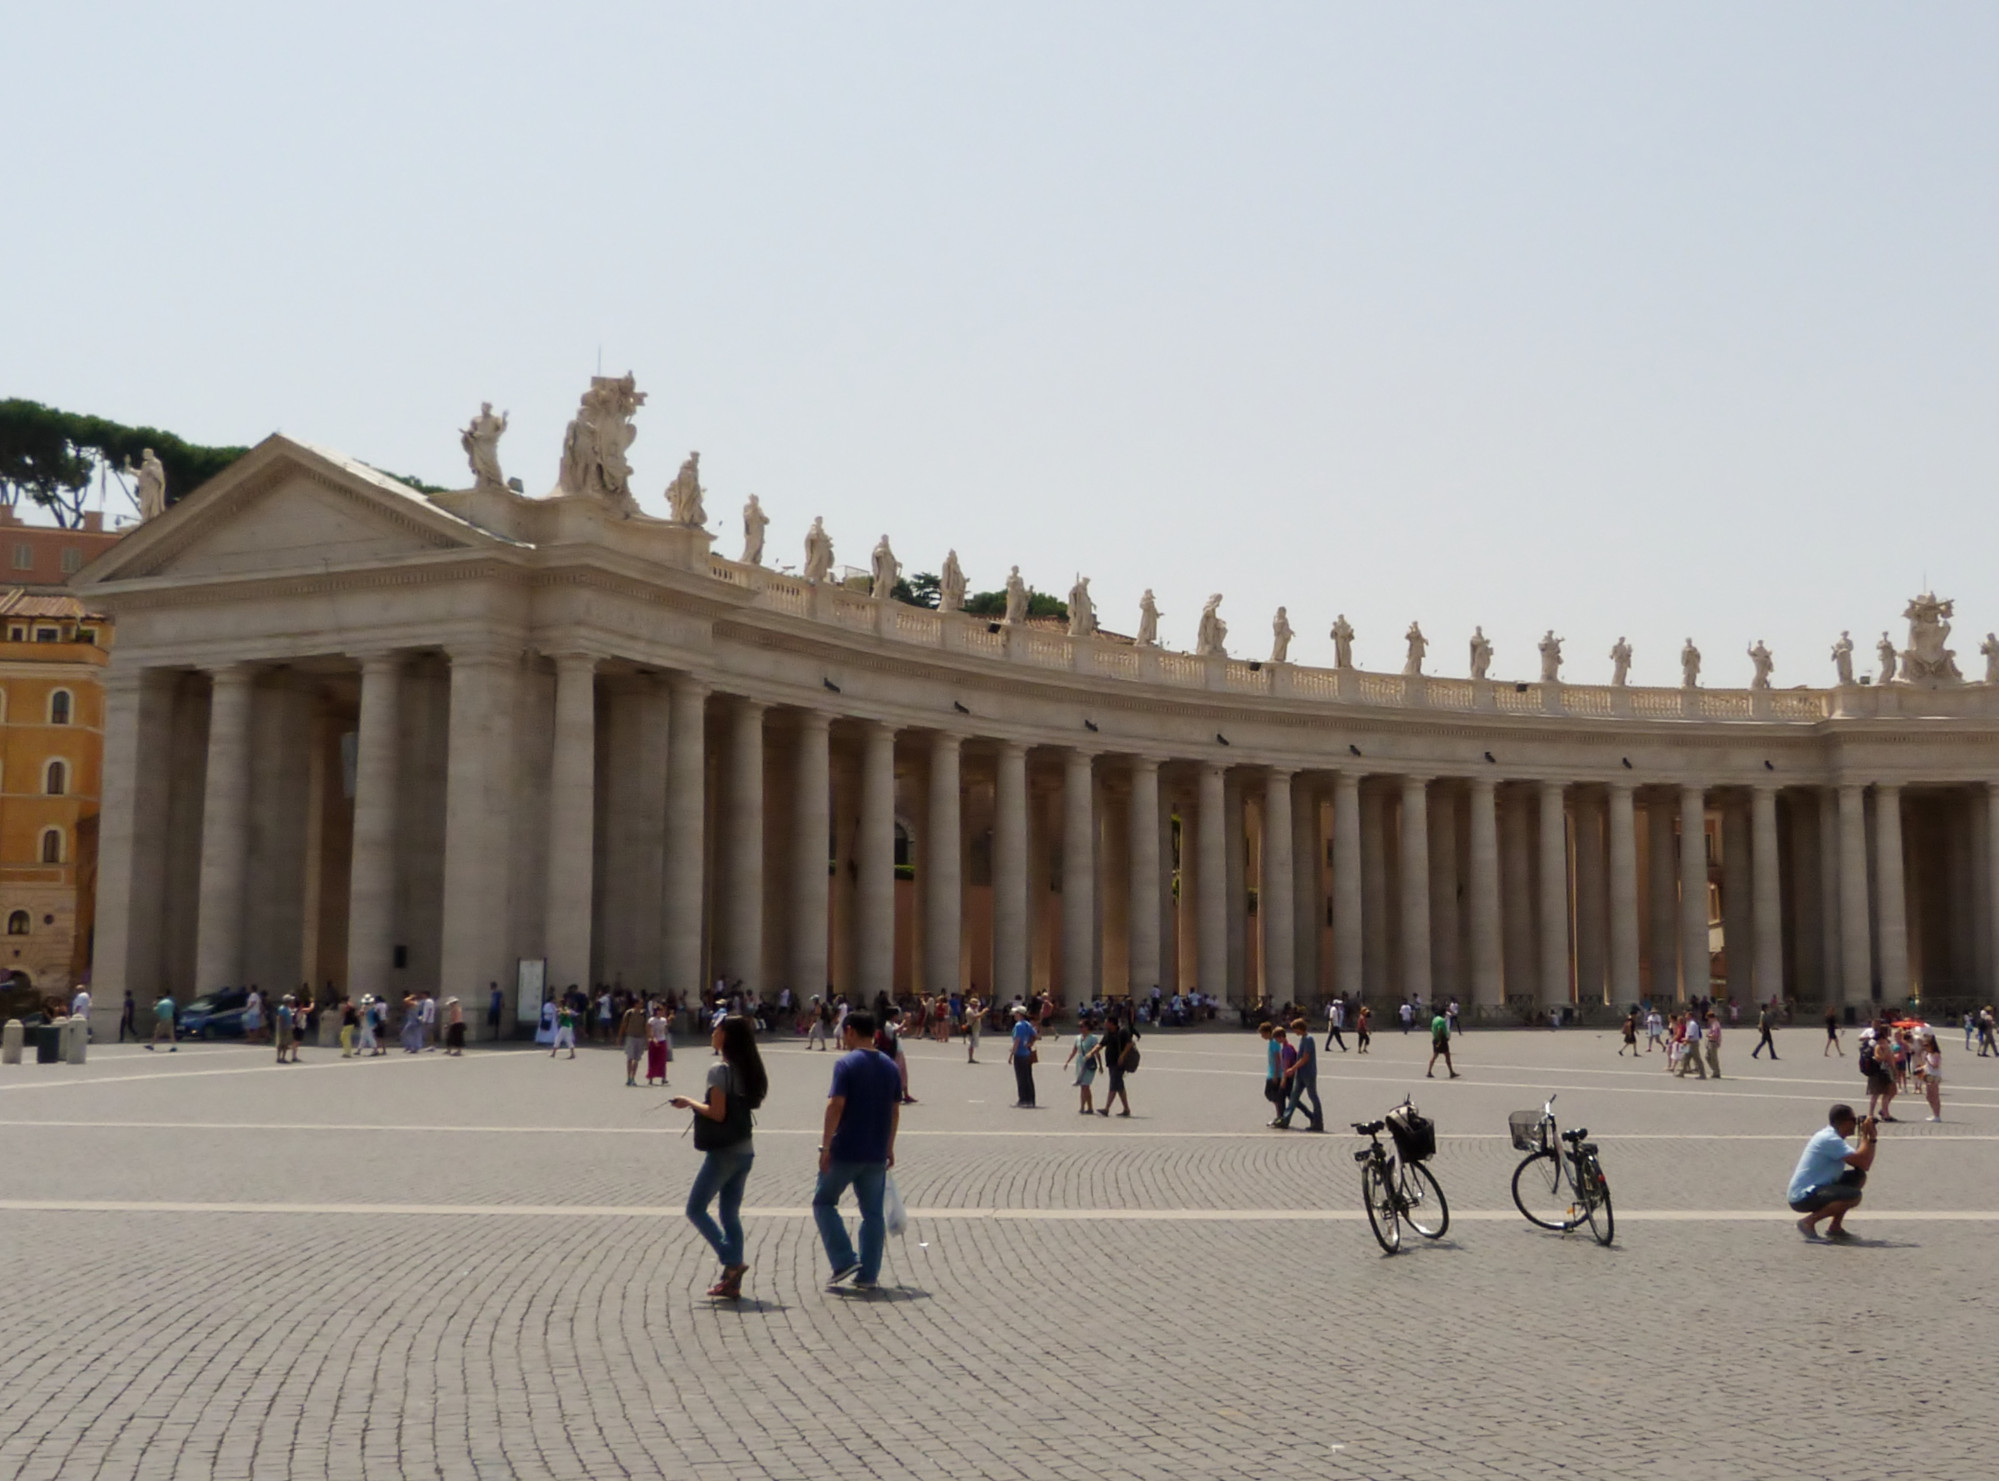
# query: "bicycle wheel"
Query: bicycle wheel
1379,1200
1423,1206
1596,1202
1541,1192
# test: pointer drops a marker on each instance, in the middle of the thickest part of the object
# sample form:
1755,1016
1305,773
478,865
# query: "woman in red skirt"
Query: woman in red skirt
659,1048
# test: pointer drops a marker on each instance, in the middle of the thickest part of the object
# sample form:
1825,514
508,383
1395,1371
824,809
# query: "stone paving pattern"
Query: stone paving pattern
575,1342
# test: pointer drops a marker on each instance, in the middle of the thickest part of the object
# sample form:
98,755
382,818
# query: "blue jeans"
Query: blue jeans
727,1173
1300,1088
867,1179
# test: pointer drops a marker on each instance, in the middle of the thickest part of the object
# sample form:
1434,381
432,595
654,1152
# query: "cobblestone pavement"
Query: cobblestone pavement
477,1267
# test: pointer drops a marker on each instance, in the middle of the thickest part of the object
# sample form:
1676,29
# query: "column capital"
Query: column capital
1145,763
1887,789
491,652
813,720
244,673
748,706
378,658
1623,784
572,659
687,686
1007,748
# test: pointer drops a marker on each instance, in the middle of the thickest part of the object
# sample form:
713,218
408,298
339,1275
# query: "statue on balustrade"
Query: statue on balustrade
1620,663
1759,656
1690,666
1551,658
1418,646
152,476
1926,660
1082,611
818,551
1886,649
481,441
887,570
754,523
683,495
1212,636
951,585
1342,642
1148,621
1842,658
594,446
1280,637
1990,648
1016,598
1481,653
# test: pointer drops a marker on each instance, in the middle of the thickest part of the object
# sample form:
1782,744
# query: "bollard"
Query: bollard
76,1040
11,1039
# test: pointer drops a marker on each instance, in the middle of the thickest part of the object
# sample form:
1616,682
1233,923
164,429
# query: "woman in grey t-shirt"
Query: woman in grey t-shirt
737,1085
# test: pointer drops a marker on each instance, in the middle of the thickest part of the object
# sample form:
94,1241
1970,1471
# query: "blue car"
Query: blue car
217,1015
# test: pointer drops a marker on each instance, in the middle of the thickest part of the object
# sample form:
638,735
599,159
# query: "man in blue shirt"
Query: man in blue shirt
1304,1079
1831,1172
863,1110
1021,1052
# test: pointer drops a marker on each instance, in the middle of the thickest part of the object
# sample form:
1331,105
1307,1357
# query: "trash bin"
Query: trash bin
48,1044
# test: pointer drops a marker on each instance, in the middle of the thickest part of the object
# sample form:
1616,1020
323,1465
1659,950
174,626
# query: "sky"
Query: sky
1654,321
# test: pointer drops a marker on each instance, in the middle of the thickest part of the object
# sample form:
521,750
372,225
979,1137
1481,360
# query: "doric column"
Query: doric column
943,924
1663,902
739,954
1143,818
1891,907
1991,876
225,839
1488,970
1694,962
1554,903
1831,918
478,808
572,817
811,854
1376,962
1211,883
1592,905
1519,906
1274,899
1348,959
685,864
1079,878
1856,942
131,857
1738,902
1010,955
874,857
1307,896
1624,989
1769,909
1414,857
1447,976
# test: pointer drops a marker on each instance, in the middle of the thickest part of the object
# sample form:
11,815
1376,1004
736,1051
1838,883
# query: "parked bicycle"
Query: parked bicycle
1395,1187
1560,1184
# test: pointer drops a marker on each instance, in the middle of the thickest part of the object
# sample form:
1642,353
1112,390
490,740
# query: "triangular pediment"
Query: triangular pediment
286,506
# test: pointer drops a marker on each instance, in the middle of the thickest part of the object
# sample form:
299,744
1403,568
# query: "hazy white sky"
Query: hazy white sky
1653,321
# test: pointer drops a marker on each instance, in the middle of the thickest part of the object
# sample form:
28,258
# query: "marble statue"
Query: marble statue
1212,636
1280,637
1620,663
1690,665
1551,658
1418,646
1016,598
1148,621
152,477
1990,648
1886,648
1759,656
951,585
1842,658
683,495
594,447
818,551
754,523
481,441
1481,653
1342,643
1082,611
1926,660
887,570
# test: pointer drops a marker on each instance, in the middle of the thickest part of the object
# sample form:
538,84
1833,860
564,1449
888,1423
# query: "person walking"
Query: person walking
1932,1065
632,1032
1022,1054
366,1017
426,1018
1831,1172
1765,1021
1083,1054
975,1021
1689,1037
1336,1021
1630,1035
287,1035
856,1150
565,1029
819,1024
737,1085
659,1044
1711,1041
1303,1080
253,1018
496,1007
1880,1079
1985,1031
1120,1051
1273,1069
1832,1034
1407,1013
1361,1037
454,1028
164,1012
350,1019
1440,1045
888,1039
1655,1027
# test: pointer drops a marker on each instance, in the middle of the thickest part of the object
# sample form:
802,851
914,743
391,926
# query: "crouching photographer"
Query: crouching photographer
1832,1172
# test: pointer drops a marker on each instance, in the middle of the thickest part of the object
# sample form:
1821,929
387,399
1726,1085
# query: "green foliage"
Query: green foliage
410,479
924,589
51,456
1039,604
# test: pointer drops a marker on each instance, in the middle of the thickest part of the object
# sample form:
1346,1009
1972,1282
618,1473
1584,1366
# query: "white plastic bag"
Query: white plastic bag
894,1213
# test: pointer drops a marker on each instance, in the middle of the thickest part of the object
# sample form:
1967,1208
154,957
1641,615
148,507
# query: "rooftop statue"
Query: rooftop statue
594,447
481,441
152,476
1990,648
1148,621
1280,637
1082,611
818,551
754,523
1690,666
1842,658
1926,660
1620,663
683,495
1212,636
951,585
1760,657
1886,648
887,570
1481,653
1418,646
1551,658
1342,643
1016,598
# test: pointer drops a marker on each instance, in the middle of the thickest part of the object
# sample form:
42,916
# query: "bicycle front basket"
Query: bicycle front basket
1526,1129
1415,1134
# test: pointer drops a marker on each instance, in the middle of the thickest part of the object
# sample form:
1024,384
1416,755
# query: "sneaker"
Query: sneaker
843,1274
1933,1118
1838,1234
1807,1228
863,1284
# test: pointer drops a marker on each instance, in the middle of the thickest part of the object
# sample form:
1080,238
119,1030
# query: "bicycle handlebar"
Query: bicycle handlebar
1369,1128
